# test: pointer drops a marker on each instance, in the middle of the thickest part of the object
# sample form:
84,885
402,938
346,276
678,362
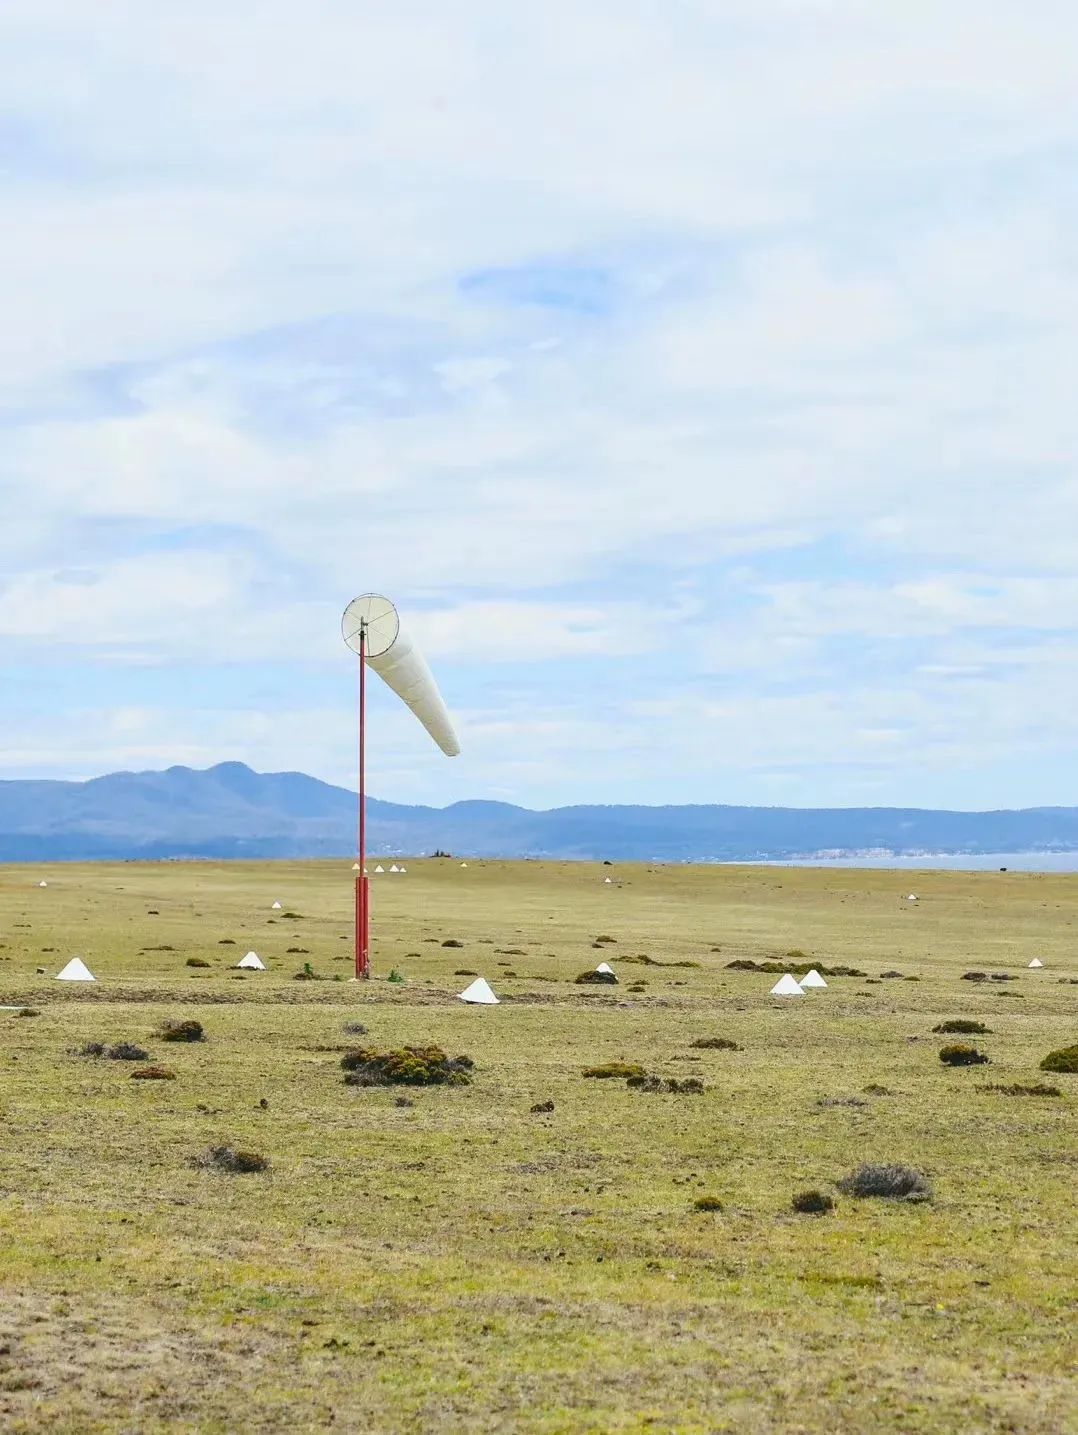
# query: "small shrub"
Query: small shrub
297,952
891,976
813,1203
797,955
226,942
407,1066
596,979
959,1055
1019,1090
28,1011
605,941
182,1031
714,1043
92,1048
1064,1061
542,1107
127,1051
637,987
153,1073
974,976
196,962
395,976
355,1028
875,1089
614,1069
960,1026
227,1158
296,916
707,1203
465,972
892,1182
452,942
691,1086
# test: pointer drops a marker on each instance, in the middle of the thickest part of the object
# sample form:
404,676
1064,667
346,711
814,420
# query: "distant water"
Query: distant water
949,862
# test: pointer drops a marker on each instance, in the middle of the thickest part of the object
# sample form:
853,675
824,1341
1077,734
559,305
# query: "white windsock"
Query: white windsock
76,971
478,994
786,987
252,962
605,968
813,979
372,621
1036,962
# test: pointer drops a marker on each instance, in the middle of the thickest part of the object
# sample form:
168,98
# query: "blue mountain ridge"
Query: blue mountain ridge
230,811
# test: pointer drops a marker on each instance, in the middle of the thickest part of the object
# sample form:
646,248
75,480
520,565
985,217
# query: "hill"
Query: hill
230,811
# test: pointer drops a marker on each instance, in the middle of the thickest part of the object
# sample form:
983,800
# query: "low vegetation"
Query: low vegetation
715,1043
962,1026
186,1030
1017,1089
892,1183
1065,1060
960,1055
228,1158
614,1070
813,1203
407,1066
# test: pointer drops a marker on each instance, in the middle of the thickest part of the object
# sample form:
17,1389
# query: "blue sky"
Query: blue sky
697,377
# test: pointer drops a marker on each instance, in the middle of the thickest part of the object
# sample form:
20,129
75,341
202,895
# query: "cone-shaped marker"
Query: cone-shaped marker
252,962
478,994
813,979
1036,962
786,987
76,971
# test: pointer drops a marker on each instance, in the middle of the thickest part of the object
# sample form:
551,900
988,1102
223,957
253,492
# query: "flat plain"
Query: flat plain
463,1263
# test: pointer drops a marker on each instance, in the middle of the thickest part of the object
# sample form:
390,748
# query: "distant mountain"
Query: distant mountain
230,811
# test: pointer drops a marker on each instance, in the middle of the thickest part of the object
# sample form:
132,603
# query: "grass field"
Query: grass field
461,1263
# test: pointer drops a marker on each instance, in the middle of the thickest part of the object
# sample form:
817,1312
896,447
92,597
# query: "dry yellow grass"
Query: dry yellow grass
461,1263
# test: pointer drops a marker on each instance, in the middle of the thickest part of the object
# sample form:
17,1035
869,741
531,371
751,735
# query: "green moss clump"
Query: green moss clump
1064,1060
615,1070
406,1066
596,979
707,1203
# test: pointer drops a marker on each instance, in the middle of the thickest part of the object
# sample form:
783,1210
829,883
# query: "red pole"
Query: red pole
363,940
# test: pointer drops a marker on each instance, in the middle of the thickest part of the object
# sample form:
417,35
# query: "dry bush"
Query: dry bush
960,1026
542,1107
691,1086
707,1203
127,1051
452,942
227,1158
974,976
959,1055
813,1203
406,1066
354,1028
890,1182
153,1073
196,962
596,979
181,1031
714,1043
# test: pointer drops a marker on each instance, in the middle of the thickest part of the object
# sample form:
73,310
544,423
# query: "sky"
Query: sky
697,378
